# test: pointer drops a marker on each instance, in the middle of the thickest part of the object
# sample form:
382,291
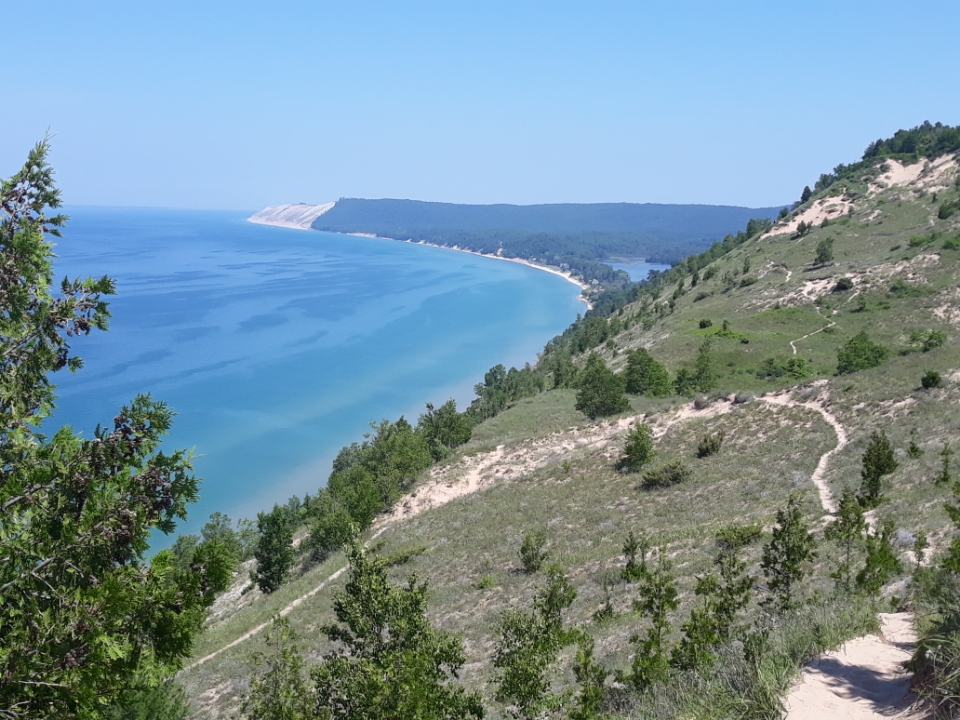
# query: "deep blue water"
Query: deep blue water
277,347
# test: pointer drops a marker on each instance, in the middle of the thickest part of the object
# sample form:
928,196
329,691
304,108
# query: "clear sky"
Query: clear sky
239,104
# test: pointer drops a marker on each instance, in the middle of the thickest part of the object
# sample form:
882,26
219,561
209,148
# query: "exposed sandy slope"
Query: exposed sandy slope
864,679
828,208
299,216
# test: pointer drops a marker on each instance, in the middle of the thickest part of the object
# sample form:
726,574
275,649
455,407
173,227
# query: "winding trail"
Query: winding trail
818,478
829,324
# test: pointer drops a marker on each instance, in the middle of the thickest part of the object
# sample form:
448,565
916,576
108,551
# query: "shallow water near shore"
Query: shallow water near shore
276,347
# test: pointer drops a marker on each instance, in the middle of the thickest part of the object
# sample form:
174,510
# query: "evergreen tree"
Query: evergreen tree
634,545
388,661
881,564
590,676
945,477
847,529
658,598
645,376
878,460
710,624
704,373
600,390
860,353
785,556
84,616
274,551
806,194
638,450
532,554
528,645
278,685
825,251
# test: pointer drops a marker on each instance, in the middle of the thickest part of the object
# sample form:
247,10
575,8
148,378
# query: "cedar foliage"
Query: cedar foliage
83,614
786,556
878,460
388,661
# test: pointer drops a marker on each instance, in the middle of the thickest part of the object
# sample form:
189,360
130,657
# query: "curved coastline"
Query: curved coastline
265,217
546,268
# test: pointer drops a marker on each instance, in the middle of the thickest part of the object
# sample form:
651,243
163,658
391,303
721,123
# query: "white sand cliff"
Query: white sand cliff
299,215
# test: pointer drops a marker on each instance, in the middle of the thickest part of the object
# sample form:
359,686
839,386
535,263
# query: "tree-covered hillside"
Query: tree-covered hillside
578,236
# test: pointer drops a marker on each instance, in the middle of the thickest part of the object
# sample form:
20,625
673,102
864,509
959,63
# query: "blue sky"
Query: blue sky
242,104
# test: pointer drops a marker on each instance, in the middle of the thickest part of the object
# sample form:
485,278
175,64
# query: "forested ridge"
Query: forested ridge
578,237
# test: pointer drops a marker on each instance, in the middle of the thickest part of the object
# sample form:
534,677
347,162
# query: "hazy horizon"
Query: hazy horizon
229,106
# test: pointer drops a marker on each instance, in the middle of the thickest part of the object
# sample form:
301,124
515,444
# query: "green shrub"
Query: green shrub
843,284
934,340
948,209
918,241
710,444
486,582
736,537
705,324
666,475
860,354
951,244
638,449
747,281
903,289
931,379
532,554
793,366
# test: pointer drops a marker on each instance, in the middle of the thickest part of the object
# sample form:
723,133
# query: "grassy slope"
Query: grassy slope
588,507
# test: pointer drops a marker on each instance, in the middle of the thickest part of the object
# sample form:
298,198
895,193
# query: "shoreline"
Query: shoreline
545,268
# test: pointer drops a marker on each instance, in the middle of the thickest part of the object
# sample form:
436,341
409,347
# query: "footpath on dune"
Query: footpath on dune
863,680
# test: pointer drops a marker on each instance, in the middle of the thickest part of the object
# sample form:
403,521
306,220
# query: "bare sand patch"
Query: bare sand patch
864,679
828,208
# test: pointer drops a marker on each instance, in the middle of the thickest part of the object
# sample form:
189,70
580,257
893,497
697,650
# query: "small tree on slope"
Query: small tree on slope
600,391
388,662
847,529
878,460
785,556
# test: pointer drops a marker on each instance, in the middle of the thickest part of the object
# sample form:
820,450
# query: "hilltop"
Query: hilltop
754,333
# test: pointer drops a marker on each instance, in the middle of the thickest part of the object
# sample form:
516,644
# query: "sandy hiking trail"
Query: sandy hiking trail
864,679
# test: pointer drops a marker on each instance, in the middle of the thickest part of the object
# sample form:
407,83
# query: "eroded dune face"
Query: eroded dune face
297,215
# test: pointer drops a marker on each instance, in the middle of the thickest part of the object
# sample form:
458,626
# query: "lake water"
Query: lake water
276,347
638,269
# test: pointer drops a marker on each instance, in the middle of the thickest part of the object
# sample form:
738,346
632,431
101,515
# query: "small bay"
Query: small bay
276,347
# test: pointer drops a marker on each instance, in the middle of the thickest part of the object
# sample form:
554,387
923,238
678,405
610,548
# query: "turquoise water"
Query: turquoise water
276,347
